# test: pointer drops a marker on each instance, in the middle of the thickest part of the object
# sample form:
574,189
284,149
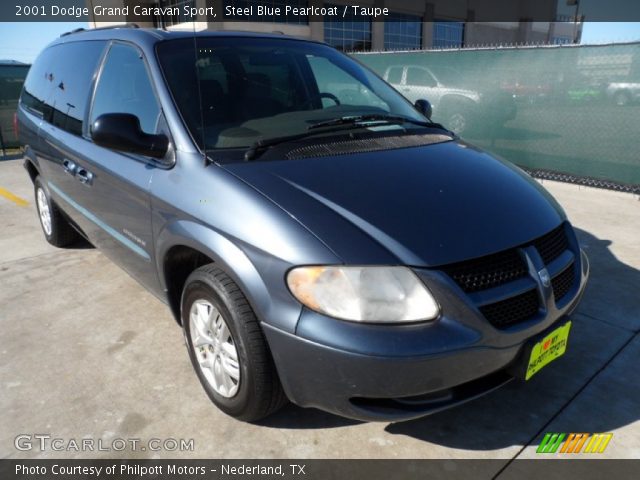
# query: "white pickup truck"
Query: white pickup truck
456,107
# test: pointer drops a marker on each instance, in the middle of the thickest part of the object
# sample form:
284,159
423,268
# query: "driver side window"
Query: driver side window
335,81
124,87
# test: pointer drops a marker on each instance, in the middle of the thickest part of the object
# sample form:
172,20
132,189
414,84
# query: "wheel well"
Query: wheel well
179,262
33,171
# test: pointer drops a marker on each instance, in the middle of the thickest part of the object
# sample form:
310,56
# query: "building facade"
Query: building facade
410,25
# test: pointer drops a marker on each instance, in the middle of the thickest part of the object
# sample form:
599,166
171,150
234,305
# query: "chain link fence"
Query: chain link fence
12,77
568,113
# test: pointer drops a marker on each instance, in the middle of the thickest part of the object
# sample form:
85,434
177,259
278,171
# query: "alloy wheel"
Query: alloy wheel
44,211
214,348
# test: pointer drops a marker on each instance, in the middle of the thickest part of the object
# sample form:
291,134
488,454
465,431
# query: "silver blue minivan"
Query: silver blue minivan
318,238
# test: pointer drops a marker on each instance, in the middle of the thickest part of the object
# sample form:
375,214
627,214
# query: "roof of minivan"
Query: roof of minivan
154,35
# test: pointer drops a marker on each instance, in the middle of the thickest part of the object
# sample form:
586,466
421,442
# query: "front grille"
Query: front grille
504,267
563,282
513,310
487,272
552,245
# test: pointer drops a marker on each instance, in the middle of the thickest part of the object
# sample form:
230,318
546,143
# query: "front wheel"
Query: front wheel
458,122
227,348
457,115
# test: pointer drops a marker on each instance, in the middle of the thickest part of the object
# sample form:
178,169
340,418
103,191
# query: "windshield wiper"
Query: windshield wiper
264,143
358,120
324,127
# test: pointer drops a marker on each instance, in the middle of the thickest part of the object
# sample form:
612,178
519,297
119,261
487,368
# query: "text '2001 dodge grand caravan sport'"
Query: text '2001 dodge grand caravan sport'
318,238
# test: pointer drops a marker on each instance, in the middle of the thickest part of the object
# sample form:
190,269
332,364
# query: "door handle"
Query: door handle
69,167
85,177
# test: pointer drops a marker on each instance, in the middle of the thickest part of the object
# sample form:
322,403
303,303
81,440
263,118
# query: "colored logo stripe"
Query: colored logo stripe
574,443
598,440
550,443
107,228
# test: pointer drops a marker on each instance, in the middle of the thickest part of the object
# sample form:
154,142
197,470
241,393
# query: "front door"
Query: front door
116,184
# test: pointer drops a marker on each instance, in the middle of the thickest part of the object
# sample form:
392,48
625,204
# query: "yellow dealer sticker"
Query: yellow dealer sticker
548,349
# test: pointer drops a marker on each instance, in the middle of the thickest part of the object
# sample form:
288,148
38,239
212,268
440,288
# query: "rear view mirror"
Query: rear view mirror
122,131
424,107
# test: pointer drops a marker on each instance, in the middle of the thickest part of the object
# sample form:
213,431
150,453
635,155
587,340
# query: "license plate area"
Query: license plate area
540,351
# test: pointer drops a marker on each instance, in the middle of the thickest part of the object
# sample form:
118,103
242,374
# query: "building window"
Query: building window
561,39
269,6
448,34
402,32
565,18
350,33
168,20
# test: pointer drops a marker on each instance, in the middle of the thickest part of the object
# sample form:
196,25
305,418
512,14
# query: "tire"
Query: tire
621,99
211,302
57,230
457,115
458,122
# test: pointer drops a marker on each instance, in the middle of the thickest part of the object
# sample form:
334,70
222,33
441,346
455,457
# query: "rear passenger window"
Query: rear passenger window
37,85
420,77
124,87
59,83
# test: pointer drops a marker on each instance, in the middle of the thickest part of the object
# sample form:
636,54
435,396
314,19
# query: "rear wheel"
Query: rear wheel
227,348
55,227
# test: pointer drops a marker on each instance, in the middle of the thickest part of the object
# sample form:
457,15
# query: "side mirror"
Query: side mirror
122,131
424,107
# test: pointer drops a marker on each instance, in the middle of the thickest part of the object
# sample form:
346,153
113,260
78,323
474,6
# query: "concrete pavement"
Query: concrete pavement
85,352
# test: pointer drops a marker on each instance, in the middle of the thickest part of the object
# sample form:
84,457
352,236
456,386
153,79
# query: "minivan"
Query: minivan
318,238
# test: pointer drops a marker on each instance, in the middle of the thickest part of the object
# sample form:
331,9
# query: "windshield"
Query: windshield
233,92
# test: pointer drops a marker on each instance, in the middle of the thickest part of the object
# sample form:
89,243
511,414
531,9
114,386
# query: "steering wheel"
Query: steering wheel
322,95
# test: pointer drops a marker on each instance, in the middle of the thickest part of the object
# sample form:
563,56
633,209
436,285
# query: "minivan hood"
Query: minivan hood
421,206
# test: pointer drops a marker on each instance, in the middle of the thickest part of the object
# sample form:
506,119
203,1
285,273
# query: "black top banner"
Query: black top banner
307,11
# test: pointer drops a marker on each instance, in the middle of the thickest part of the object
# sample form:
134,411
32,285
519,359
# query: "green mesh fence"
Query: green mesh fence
570,113
11,79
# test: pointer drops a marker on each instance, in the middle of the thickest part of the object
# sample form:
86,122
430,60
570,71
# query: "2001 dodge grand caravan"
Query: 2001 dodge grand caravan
316,235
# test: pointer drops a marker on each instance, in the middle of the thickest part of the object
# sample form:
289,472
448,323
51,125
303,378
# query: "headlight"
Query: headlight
363,294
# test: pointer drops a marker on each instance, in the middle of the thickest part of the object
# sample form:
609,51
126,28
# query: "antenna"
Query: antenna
195,65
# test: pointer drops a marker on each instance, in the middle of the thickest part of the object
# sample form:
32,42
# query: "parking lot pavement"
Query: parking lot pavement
85,352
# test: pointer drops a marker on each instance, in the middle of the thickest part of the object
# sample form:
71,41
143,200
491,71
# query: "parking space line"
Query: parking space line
21,202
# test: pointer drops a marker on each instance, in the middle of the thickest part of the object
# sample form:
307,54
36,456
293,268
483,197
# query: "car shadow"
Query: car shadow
297,418
80,244
514,414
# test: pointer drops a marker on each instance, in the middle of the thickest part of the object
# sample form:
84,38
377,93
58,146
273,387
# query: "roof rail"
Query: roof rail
72,32
120,25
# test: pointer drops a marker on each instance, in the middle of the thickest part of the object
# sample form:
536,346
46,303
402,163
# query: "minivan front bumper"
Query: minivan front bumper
396,373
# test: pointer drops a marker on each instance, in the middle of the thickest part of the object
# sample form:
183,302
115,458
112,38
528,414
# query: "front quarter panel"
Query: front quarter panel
253,240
